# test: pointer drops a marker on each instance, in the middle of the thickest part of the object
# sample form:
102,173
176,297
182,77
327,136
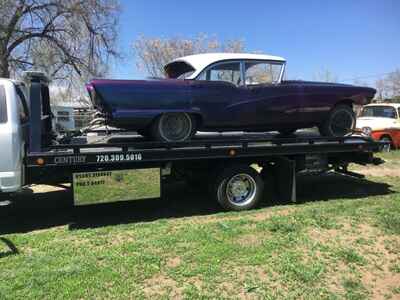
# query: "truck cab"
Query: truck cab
14,117
20,122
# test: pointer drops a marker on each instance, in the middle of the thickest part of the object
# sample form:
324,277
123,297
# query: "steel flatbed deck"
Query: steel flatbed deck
135,153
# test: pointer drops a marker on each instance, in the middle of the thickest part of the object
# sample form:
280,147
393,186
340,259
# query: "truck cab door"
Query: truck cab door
11,138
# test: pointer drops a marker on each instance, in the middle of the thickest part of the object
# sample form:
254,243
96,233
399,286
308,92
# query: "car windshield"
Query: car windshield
379,111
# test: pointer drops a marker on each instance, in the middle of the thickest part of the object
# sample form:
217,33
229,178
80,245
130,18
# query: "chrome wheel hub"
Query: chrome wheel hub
241,189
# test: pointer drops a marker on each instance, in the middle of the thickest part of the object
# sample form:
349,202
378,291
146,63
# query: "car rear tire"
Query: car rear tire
388,140
340,122
174,127
238,188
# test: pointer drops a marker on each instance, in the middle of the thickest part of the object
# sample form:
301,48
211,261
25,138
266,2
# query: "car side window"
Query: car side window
22,106
262,72
229,72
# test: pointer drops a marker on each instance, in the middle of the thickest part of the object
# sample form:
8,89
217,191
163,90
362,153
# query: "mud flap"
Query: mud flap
285,172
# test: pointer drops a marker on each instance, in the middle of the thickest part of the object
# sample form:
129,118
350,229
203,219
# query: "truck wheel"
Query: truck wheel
238,188
387,147
341,121
173,127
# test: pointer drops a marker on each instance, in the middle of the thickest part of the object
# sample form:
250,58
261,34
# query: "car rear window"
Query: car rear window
3,105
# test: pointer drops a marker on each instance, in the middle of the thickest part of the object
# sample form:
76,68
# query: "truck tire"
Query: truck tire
238,188
341,121
388,140
173,127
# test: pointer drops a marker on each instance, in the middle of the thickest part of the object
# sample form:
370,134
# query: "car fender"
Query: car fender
191,111
393,133
145,117
377,135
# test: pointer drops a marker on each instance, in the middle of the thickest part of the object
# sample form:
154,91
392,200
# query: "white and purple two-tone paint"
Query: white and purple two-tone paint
226,92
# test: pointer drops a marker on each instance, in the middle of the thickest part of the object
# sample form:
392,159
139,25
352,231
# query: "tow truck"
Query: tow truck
235,169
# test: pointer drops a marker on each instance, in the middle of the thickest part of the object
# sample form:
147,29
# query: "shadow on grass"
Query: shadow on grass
45,210
12,250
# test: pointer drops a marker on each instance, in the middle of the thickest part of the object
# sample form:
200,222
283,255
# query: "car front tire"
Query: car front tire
174,127
340,122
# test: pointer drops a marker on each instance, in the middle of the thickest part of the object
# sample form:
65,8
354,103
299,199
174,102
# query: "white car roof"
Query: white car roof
395,105
200,61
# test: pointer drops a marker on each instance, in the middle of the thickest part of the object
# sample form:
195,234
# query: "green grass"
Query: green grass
120,186
342,248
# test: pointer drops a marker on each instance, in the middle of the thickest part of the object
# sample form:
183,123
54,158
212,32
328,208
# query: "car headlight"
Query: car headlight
366,130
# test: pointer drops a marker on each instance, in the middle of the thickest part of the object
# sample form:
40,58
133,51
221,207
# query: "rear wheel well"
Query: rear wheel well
385,135
347,102
387,148
198,118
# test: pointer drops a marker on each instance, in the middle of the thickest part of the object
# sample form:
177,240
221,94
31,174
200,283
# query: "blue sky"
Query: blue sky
351,38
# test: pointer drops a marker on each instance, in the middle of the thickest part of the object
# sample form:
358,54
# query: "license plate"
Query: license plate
114,186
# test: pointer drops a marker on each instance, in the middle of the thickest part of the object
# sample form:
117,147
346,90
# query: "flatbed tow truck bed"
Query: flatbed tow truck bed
142,152
234,167
206,155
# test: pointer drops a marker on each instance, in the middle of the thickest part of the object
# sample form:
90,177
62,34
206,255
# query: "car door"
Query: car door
215,92
267,102
273,105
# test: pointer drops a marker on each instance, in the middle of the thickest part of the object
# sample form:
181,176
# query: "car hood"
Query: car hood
342,88
321,83
330,84
377,123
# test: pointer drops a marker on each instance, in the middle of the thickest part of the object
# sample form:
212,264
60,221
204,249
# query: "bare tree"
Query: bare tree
380,90
393,84
325,75
68,39
388,87
153,53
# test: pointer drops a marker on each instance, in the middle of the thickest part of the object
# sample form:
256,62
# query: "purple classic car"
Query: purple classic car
226,92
